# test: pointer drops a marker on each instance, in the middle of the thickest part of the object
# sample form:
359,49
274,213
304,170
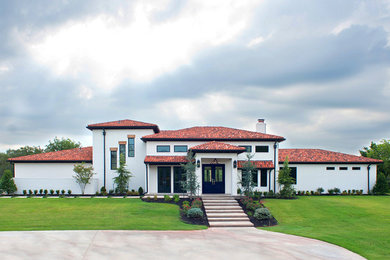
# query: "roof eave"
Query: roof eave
212,139
297,162
49,161
156,129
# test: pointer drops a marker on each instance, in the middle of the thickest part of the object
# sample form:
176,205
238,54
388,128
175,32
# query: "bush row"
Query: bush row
255,208
45,192
193,211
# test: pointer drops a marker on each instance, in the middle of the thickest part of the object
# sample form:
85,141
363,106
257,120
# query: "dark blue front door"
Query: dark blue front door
213,178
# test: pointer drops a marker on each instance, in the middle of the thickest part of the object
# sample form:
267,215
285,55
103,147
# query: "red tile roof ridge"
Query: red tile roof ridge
74,154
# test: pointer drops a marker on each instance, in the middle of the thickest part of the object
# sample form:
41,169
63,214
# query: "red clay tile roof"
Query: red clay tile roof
71,155
212,133
165,159
124,124
212,147
321,156
258,164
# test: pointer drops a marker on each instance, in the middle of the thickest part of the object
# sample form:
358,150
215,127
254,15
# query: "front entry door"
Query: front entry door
213,178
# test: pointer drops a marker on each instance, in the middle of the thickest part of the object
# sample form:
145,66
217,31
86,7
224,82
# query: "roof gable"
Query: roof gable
321,156
124,124
211,133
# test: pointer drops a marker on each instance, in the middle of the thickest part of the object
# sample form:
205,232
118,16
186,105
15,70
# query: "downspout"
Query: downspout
368,178
275,146
104,157
146,183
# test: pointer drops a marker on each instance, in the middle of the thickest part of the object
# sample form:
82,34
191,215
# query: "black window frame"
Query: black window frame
131,147
122,150
177,187
293,173
160,187
263,180
330,168
161,146
114,160
261,149
343,168
356,168
246,148
255,172
181,146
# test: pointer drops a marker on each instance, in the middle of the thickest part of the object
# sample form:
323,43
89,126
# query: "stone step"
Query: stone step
223,207
219,201
224,211
217,198
227,203
226,215
231,224
229,219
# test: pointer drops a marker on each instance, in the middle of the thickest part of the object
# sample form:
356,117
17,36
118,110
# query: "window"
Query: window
343,168
178,177
130,148
122,151
262,149
254,177
164,179
293,173
114,163
248,148
330,168
180,148
356,168
263,178
163,148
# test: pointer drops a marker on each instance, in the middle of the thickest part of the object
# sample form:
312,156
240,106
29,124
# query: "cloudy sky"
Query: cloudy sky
317,71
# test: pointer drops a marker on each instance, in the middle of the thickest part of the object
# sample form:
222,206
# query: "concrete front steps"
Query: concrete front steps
224,211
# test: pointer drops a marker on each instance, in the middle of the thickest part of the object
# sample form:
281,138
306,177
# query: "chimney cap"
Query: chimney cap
260,120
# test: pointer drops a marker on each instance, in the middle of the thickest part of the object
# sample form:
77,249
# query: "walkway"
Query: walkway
213,243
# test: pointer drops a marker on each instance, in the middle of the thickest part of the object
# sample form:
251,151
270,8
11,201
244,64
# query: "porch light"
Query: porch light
234,164
198,163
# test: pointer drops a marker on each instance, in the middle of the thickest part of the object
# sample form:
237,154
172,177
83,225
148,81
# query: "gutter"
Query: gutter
104,157
275,146
368,178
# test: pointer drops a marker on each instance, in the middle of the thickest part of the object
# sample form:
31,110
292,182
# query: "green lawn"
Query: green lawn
88,214
358,223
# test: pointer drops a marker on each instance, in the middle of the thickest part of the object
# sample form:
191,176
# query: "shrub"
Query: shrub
35,192
185,208
257,194
246,200
239,191
344,192
103,190
176,198
155,197
311,192
186,203
167,198
195,213
45,192
336,190
307,193
353,191
30,192
262,213
265,193
249,213
331,191
7,183
271,193
62,192
197,203
51,192
111,192
69,192
317,193
148,198
381,186
320,190
349,192
58,192
24,192
140,191
41,191
253,206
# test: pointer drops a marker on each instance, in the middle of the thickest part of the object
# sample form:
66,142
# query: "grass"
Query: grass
89,214
358,223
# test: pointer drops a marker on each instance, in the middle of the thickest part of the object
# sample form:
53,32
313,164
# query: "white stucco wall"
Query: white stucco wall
312,176
56,176
134,164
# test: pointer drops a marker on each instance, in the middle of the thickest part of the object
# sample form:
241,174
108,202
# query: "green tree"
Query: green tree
7,183
286,181
246,180
191,184
61,144
123,178
83,175
23,151
381,186
379,151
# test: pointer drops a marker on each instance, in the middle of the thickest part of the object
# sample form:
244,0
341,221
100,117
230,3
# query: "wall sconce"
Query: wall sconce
198,163
235,164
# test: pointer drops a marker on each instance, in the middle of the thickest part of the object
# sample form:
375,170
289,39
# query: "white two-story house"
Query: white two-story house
155,156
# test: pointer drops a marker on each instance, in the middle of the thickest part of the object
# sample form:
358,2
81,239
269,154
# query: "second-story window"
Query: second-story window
180,148
114,163
163,148
130,150
262,148
122,151
248,148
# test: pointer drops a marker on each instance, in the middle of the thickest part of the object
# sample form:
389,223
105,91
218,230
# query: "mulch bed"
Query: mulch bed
256,222
184,218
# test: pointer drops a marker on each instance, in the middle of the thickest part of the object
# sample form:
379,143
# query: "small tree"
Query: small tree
61,144
286,181
7,183
83,175
381,185
191,184
246,180
124,175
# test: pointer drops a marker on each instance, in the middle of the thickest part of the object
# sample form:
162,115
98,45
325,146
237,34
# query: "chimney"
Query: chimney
261,126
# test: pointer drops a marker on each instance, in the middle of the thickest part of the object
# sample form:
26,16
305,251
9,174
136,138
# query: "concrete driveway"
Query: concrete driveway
213,243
